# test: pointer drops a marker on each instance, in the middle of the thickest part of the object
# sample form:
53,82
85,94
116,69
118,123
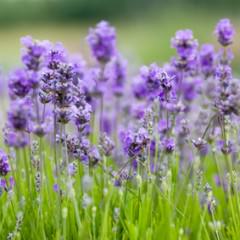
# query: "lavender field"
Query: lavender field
92,150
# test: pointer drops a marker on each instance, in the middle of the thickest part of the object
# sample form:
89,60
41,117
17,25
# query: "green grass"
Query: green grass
145,208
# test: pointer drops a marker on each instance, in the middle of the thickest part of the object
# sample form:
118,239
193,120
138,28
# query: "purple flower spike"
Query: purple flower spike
156,80
185,44
3,183
115,72
4,165
17,139
207,59
168,145
21,82
224,32
32,53
223,72
19,114
102,41
55,56
135,143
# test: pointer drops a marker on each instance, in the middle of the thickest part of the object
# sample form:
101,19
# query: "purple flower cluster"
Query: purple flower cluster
92,112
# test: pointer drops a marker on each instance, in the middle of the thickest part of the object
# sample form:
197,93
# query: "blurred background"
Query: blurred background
144,27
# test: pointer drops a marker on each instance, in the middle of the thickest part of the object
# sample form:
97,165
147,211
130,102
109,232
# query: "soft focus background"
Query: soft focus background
144,27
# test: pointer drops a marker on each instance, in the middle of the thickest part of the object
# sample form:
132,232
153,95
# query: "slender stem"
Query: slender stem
27,170
101,113
208,126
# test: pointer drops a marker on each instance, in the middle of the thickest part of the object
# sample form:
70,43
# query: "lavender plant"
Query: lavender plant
93,152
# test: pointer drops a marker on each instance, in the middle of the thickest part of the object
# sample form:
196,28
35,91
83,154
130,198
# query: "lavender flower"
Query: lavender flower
102,41
19,115
139,89
223,72
156,80
185,44
134,143
55,55
115,72
4,164
224,32
226,147
82,150
81,115
106,145
72,169
201,146
227,94
207,59
78,67
168,145
16,139
32,54
21,82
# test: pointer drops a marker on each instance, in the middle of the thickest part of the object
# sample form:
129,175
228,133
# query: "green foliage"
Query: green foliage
145,208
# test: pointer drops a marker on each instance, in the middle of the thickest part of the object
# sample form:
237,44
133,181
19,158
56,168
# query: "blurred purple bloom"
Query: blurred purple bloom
13,138
168,145
19,115
102,41
224,32
4,164
55,55
106,144
32,54
207,59
21,82
185,44
135,142
56,187
71,169
163,126
223,72
139,89
201,145
116,71
156,80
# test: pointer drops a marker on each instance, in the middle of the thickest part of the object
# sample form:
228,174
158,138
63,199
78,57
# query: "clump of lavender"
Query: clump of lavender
84,107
